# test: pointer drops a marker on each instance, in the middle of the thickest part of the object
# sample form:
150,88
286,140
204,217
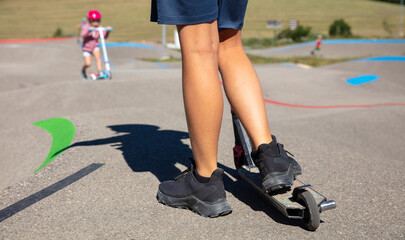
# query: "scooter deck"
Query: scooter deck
283,201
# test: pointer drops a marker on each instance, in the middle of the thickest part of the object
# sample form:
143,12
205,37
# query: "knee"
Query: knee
206,50
210,52
87,63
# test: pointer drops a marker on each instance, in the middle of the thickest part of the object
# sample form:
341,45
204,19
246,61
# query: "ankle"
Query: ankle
200,178
204,172
257,145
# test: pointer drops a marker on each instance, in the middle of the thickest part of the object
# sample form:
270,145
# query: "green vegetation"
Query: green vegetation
130,18
296,35
163,59
388,27
58,32
260,43
390,1
310,60
340,28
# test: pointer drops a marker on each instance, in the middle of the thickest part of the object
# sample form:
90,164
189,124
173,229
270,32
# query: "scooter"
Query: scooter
300,201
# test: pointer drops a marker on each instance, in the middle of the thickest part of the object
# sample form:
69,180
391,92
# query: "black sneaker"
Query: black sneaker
84,75
295,166
207,199
276,170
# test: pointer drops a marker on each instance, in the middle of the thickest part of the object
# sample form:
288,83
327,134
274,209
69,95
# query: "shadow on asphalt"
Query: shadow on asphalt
246,194
147,148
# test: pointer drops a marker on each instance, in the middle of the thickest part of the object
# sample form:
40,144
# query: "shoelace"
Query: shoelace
292,155
185,171
281,146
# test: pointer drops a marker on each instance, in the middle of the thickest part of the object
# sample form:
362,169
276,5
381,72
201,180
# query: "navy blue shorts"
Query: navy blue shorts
229,13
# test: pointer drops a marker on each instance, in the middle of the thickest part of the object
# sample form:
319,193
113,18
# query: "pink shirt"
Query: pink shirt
90,39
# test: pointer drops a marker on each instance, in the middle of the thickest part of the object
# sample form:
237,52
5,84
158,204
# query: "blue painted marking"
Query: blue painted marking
383,59
339,41
362,79
137,45
132,60
290,65
162,65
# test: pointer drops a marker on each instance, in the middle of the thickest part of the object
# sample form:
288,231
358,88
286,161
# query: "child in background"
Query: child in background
90,43
317,50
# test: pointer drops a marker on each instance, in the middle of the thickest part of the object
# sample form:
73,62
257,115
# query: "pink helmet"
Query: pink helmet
94,15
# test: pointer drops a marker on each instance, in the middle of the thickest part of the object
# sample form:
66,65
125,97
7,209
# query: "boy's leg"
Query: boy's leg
244,93
202,92
201,190
242,87
97,57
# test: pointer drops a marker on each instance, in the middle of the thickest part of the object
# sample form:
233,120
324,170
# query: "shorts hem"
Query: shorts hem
187,21
222,27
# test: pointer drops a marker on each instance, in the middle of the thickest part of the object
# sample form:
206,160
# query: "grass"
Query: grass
164,59
309,60
130,18
366,17
261,43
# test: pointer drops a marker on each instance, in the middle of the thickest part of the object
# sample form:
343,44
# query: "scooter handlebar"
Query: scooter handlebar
104,29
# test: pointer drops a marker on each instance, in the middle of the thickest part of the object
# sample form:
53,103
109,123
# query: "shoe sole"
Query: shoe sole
205,209
296,172
278,182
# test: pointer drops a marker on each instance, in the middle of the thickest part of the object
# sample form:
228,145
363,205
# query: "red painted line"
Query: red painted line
335,106
4,41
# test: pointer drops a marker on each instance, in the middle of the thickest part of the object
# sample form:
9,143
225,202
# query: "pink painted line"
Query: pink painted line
4,41
335,106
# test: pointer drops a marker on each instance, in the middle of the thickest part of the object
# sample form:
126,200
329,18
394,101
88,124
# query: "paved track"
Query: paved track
131,134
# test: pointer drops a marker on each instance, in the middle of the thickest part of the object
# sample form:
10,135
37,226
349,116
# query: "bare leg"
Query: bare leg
242,87
202,92
99,63
87,62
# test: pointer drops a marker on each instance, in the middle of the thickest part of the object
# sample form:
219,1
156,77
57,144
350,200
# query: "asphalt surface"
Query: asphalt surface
131,134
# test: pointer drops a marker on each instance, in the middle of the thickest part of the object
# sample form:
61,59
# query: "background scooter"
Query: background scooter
107,70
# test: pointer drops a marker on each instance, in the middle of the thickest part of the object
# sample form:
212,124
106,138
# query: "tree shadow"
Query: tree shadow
147,148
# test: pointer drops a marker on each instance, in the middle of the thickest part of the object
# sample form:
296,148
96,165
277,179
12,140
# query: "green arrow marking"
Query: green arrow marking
62,132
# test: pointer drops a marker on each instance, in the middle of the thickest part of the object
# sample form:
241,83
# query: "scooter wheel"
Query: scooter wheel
312,217
110,75
93,76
